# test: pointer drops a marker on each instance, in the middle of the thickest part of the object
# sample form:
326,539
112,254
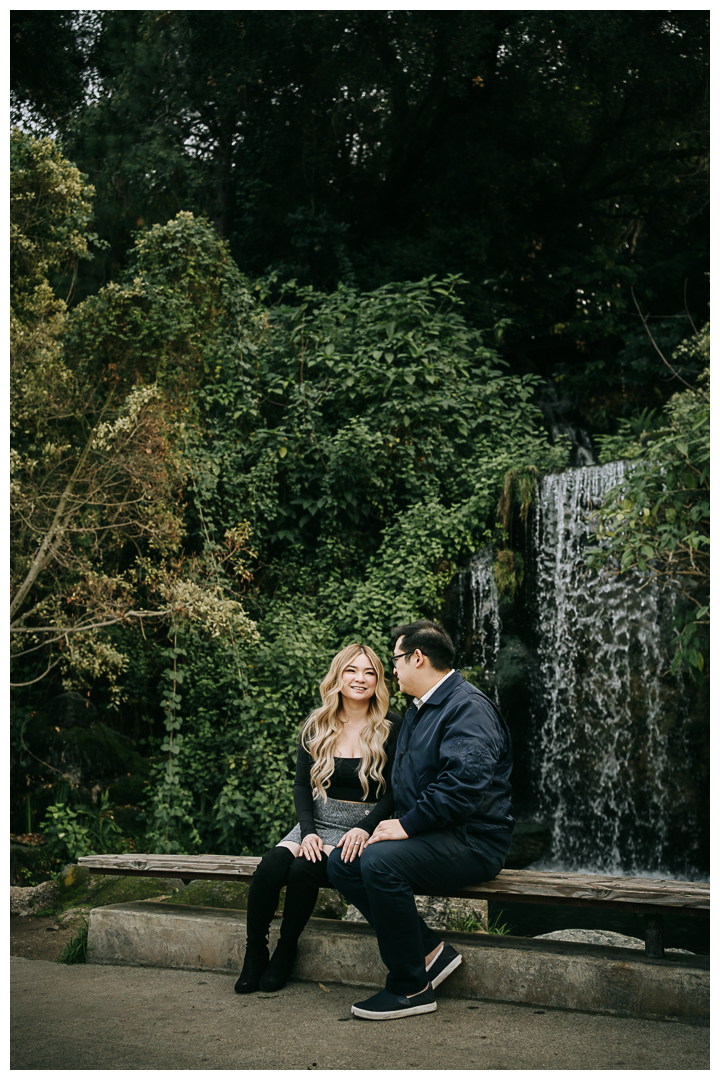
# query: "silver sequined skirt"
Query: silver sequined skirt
333,818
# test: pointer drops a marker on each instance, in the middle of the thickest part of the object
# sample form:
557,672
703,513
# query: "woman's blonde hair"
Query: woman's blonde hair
323,726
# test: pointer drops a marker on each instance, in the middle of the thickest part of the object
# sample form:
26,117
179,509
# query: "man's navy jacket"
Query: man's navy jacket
452,765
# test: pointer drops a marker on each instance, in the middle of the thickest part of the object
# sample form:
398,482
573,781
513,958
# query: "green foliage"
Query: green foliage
48,62
555,158
50,212
657,520
179,295
170,826
519,490
71,833
242,710
365,438
97,469
509,572
465,924
358,519
469,924
290,478
496,927
362,405
252,472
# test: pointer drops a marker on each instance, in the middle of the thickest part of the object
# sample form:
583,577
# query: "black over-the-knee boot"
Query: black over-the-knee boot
267,881
304,881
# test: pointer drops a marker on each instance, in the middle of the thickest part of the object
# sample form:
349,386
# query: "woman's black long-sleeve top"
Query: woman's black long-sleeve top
345,785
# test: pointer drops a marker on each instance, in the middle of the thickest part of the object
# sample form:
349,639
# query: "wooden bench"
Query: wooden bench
642,896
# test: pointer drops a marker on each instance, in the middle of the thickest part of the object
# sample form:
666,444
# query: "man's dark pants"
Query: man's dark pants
382,884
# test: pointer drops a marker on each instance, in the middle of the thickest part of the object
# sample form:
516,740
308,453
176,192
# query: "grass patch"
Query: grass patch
470,924
74,951
496,927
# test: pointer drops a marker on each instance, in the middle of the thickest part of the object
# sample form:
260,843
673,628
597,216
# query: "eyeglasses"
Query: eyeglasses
400,656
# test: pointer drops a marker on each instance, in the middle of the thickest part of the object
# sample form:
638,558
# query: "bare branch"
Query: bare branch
45,763
687,310
30,683
53,537
657,348
62,633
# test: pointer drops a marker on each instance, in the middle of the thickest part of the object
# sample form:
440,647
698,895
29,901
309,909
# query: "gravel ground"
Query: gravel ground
106,1018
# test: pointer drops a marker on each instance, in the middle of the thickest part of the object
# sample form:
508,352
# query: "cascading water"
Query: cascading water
607,757
477,617
610,750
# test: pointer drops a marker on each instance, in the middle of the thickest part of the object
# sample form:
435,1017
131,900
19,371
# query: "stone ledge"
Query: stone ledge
554,974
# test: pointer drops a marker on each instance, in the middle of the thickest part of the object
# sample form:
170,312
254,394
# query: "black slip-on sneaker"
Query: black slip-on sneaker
443,965
387,1006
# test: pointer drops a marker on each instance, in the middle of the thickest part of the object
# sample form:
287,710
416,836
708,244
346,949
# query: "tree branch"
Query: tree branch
54,534
30,683
687,310
62,633
657,348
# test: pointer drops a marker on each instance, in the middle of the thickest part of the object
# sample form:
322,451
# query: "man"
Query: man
453,826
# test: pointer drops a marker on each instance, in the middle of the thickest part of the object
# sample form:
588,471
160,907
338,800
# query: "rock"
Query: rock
229,894
75,740
73,917
92,754
78,887
81,891
514,667
353,915
516,678
446,913
330,905
601,937
530,841
75,880
122,890
71,710
443,913
35,898
215,894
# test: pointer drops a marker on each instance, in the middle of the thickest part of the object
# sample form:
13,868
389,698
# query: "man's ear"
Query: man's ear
421,655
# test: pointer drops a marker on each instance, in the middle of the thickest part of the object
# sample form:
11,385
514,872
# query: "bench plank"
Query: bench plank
228,866
642,895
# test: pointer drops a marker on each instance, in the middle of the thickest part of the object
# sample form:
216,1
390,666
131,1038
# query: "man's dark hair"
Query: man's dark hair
430,639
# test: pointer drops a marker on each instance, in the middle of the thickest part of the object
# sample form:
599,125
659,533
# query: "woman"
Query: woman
342,792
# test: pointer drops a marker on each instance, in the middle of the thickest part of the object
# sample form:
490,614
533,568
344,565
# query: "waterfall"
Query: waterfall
610,748
477,619
608,753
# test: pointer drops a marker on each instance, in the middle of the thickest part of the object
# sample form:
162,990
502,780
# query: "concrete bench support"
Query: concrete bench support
553,974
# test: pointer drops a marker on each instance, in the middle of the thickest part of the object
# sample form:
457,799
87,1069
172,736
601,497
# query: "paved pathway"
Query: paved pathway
92,1017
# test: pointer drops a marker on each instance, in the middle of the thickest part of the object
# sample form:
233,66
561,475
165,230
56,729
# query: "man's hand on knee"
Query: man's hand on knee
388,830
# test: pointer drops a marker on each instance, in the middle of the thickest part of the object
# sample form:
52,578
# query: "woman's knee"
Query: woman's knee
314,873
274,865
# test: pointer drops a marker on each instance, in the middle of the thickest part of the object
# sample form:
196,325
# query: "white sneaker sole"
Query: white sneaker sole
454,963
394,1014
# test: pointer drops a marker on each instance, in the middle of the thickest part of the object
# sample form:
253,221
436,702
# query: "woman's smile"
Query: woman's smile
359,679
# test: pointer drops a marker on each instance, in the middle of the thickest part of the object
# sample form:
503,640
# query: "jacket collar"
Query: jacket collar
441,694
445,690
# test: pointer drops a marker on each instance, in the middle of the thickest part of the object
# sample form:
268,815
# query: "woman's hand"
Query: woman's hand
311,848
352,844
